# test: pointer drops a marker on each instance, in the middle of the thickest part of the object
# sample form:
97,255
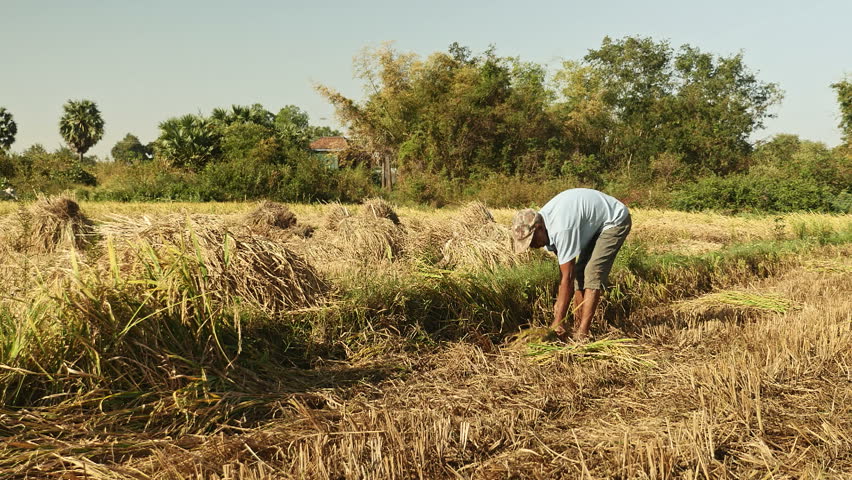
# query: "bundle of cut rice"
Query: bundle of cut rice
199,253
476,240
733,301
272,220
375,208
336,213
50,223
474,214
621,351
359,240
424,239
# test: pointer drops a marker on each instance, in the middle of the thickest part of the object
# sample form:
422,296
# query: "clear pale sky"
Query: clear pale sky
145,61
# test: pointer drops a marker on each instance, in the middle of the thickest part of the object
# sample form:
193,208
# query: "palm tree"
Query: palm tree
8,129
188,141
81,126
243,114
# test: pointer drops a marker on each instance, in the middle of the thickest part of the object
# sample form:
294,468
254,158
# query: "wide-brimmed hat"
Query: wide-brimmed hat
523,228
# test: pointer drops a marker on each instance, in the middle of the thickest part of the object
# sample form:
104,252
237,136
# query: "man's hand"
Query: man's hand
560,331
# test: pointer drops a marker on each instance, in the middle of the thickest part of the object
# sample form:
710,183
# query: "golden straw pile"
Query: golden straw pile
221,263
271,220
49,224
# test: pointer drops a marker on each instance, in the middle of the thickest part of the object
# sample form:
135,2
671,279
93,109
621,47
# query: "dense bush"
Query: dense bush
737,193
516,192
38,171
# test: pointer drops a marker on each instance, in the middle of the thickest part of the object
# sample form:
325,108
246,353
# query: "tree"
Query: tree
452,114
188,141
81,126
8,129
635,99
242,114
293,126
130,150
250,141
844,99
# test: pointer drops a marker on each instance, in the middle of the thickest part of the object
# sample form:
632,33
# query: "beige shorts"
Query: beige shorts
595,261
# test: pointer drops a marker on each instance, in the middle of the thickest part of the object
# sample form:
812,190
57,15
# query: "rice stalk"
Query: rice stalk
335,214
766,302
621,351
357,240
227,266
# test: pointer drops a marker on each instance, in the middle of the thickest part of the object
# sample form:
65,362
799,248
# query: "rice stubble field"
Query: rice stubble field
253,341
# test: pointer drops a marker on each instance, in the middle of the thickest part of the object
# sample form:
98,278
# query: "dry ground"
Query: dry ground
748,394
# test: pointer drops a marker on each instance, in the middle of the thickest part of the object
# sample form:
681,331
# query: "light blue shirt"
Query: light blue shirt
575,216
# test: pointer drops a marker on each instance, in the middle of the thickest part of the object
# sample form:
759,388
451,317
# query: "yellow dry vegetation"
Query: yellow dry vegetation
749,380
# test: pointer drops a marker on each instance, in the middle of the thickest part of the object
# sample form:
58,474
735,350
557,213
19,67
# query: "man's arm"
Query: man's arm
563,298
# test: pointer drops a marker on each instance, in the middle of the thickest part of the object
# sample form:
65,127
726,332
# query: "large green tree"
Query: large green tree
189,141
452,113
81,126
8,129
636,99
130,150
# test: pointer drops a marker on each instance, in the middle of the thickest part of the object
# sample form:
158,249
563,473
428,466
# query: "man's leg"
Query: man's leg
577,312
591,299
596,273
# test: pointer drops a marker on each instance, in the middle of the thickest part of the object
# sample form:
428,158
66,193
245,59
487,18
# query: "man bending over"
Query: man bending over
585,228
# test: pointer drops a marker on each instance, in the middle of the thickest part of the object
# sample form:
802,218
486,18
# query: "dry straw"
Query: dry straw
734,300
373,235
47,225
476,240
272,220
227,266
336,213
375,208
618,350
358,240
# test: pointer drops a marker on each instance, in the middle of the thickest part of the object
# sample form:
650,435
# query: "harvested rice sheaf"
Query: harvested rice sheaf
270,214
201,251
618,350
375,208
360,240
737,300
336,213
49,224
475,214
476,240
272,220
